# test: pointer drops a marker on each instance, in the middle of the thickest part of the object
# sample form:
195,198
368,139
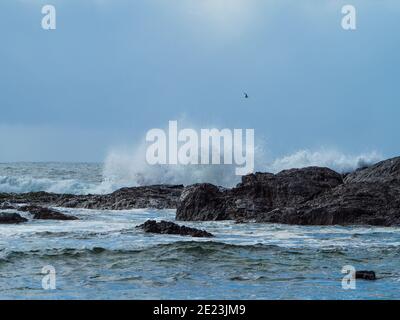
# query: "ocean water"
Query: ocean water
103,256
73,178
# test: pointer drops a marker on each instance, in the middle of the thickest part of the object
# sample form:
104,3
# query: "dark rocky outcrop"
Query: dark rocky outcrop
11,218
202,202
308,196
157,197
166,227
6,206
365,275
386,172
257,194
46,213
355,203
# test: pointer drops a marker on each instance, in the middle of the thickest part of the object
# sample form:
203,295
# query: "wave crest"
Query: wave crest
128,168
22,184
123,169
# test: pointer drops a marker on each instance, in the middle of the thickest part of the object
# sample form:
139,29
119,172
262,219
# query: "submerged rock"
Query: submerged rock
166,227
46,213
365,275
11,218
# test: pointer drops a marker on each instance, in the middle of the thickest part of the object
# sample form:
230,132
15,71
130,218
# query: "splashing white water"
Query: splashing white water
124,168
21,184
332,159
129,168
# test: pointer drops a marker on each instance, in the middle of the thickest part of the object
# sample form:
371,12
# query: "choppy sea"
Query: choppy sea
103,256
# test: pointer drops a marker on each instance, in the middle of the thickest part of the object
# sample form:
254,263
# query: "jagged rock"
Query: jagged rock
30,197
258,193
309,196
202,202
157,197
11,218
46,213
387,172
166,227
366,275
347,204
264,192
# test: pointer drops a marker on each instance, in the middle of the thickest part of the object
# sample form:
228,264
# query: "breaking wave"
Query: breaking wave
333,159
21,184
128,168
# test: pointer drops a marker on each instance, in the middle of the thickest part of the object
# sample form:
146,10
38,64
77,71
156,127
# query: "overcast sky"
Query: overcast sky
114,69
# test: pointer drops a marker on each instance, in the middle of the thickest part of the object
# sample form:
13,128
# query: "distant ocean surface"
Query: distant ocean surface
103,256
74,178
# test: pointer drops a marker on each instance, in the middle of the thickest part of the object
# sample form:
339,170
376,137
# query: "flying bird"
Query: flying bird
246,95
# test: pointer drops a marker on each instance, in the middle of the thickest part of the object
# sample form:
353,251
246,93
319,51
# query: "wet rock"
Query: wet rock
30,197
257,194
11,218
46,213
365,275
157,197
348,204
166,227
309,196
6,206
387,172
202,202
